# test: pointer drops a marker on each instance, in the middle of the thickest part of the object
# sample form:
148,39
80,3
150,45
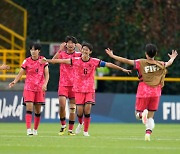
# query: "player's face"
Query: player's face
34,53
70,45
85,50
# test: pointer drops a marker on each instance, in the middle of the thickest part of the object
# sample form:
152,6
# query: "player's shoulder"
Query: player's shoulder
77,53
62,52
95,59
41,57
28,59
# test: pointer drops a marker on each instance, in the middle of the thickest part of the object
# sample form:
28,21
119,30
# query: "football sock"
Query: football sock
80,119
87,120
150,125
37,118
63,121
71,125
28,118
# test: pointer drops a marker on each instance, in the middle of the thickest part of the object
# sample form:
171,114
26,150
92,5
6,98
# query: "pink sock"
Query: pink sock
80,119
63,121
148,131
86,123
28,118
36,121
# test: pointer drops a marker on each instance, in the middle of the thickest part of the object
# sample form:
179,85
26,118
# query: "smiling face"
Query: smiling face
70,45
86,51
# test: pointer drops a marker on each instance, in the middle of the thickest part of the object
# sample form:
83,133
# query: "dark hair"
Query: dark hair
71,38
151,50
87,45
36,46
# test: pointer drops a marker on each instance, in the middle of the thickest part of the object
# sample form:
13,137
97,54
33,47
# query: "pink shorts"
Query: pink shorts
149,103
33,96
66,91
83,98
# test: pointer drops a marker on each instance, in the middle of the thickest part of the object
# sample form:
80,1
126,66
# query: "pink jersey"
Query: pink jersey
84,72
34,74
143,89
66,71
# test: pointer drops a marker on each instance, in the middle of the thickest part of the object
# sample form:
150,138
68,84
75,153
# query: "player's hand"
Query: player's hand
44,87
43,60
62,46
12,84
79,46
127,71
4,67
173,54
109,52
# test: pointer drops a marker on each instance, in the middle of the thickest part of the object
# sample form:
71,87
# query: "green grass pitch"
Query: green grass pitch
104,139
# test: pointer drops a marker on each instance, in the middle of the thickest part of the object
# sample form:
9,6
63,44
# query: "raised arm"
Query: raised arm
172,57
79,46
17,78
61,48
111,65
121,59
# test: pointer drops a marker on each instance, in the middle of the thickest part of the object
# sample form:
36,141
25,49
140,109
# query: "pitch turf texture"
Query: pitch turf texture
104,139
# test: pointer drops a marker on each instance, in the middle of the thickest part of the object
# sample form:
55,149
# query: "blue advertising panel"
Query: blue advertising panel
109,108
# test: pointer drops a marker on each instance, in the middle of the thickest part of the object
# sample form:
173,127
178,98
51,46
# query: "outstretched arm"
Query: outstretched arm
121,59
57,61
111,65
17,78
172,57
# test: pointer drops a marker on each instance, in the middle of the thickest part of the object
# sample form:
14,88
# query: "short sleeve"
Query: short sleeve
24,64
137,64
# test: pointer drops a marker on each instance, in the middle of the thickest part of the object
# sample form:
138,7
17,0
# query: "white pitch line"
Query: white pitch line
92,137
91,146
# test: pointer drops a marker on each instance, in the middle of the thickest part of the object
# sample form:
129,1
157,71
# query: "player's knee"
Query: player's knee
37,114
87,115
72,108
79,115
28,112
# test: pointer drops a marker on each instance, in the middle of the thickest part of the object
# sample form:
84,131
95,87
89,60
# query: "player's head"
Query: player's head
151,50
70,42
35,48
86,48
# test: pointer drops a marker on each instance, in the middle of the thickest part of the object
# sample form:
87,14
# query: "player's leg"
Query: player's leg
72,110
141,109
87,117
62,114
28,99
39,100
80,100
149,125
152,107
37,117
28,117
80,111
